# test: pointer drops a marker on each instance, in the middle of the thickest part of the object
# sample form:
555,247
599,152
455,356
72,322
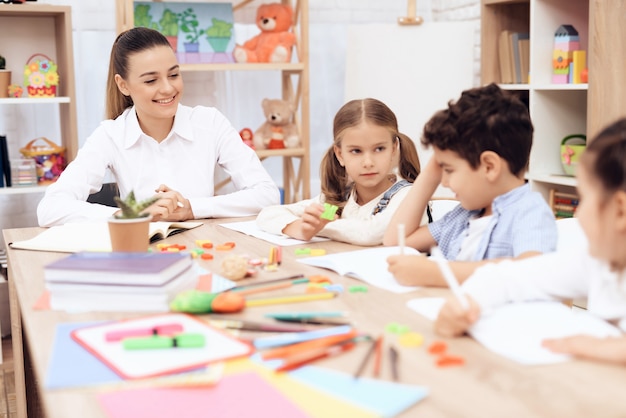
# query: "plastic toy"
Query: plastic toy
275,41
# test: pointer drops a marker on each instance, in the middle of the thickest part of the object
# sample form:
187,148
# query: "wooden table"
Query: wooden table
487,386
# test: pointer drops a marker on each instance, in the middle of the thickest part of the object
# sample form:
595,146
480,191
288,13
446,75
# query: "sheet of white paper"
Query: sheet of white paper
251,228
516,330
369,265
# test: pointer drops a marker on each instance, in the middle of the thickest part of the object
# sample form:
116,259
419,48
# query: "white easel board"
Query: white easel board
415,70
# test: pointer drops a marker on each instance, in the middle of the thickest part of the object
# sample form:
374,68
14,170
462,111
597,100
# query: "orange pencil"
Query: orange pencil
378,355
307,345
303,359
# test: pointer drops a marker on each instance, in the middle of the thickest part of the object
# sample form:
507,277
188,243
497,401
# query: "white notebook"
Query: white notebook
92,236
516,330
369,265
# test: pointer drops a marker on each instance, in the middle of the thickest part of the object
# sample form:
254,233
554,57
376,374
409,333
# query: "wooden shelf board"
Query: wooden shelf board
34,100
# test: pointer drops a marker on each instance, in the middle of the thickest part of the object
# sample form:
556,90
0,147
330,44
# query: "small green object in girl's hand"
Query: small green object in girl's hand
329,212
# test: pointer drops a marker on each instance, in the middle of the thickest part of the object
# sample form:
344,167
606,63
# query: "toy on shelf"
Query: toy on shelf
275,41
569,62
278,131
563,204
15,90
247,137
572,147
40,76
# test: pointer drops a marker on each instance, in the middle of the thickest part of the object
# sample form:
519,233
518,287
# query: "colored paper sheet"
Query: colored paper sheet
237,396
63,370
386,399
316,403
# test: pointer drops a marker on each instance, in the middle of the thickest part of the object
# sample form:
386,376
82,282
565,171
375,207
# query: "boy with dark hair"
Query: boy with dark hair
481,145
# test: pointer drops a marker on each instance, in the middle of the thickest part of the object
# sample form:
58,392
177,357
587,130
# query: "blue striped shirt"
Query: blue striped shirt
522,221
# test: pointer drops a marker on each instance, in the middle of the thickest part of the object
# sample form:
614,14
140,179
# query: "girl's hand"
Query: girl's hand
453,320
171,206
612,350
309,224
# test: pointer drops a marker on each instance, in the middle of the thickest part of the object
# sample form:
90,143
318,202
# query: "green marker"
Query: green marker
185,340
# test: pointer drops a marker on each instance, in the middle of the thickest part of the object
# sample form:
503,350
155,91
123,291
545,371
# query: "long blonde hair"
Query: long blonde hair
335,185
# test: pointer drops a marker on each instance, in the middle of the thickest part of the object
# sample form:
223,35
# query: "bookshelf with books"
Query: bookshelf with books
559,110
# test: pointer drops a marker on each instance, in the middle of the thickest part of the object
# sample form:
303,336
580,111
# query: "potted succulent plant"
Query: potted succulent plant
129,228
219,34
5,78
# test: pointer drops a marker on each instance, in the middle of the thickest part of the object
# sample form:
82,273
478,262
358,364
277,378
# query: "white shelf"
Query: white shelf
14,190
556,179
34,100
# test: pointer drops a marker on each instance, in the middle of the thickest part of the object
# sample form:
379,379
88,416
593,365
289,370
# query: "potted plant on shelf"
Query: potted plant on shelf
191,27
169,27
219,34
5,78
129,228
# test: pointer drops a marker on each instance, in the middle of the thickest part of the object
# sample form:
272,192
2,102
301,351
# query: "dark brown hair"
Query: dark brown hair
484,119
605,157
127,43
334,179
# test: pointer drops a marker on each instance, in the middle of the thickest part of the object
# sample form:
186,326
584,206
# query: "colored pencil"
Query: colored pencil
266,282
369,353
378,355
303,359
293,349
256,326
290,299
313,321
393,357
304,315
260,289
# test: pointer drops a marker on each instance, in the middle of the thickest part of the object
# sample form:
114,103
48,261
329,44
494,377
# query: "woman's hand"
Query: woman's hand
454,320
171,206
309,224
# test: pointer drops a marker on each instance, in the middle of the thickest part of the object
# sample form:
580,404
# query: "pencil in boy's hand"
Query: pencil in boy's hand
448,276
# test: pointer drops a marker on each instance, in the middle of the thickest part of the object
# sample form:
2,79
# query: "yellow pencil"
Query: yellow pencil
290,299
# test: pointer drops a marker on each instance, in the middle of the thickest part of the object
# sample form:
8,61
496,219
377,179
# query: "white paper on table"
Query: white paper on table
516,330
251,228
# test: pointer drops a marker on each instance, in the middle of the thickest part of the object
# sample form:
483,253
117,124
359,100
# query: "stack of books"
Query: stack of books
121,282
563,204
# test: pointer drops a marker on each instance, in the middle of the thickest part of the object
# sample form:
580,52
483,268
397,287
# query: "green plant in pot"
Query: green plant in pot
5,78
219,34
129,228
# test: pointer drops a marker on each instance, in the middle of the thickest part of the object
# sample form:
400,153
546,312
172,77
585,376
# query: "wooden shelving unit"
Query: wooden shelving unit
295,88
41,28
558,110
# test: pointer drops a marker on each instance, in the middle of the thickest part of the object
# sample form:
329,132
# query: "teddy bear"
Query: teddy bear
275,41
278,131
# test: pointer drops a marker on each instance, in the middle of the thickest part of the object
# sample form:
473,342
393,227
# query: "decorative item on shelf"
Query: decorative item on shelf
247,137
572,147
48,156
568,60
204,30
41,76
23,172
275,42
5,78
563,204
15,90
278,131
129,230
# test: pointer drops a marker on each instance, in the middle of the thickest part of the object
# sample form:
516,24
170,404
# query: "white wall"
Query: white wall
94,30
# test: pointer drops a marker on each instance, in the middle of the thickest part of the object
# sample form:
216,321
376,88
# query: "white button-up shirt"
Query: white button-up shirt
201,139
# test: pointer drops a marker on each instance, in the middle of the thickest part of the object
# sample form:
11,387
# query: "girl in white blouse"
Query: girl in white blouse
357,176
153,144
596,271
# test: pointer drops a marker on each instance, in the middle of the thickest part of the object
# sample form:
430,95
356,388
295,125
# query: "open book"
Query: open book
75,237
369,265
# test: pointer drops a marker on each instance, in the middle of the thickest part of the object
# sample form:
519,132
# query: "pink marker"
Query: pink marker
163,330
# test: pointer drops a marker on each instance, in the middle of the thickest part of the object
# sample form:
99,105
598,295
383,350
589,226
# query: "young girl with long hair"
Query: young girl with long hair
357,176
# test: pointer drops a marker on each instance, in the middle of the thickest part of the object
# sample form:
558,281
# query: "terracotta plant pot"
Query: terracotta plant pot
5,80
130,235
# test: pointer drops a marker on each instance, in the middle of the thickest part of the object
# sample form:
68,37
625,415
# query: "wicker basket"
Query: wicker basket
49,159
41,77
